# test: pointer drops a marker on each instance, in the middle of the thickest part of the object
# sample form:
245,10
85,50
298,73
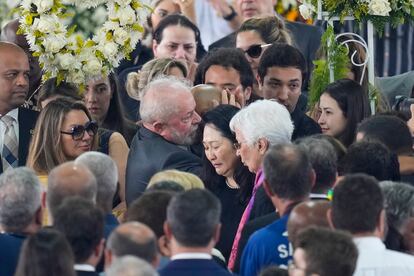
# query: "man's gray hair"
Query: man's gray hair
399,202
106,173
158,101
264,119
323,158
130,266
20,198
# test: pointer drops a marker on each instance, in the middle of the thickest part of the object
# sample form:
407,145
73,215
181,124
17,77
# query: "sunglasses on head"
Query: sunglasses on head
255,50
78,131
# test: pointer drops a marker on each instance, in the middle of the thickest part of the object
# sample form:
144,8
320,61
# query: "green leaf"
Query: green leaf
28,19
89,43
335,56
137,27
60,77
109,36
71,30
99,55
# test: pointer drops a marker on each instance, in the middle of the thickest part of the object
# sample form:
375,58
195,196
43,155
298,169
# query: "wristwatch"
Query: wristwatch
230,16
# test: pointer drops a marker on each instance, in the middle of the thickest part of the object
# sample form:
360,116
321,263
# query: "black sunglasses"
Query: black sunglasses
78,131
255,50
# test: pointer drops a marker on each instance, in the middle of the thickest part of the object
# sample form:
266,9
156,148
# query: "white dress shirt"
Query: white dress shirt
185,256
84,267
15,115
375,260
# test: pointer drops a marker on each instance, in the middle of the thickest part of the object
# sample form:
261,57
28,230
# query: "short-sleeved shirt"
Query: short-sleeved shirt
267,246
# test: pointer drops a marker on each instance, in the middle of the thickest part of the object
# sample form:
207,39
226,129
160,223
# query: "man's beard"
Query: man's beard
187,139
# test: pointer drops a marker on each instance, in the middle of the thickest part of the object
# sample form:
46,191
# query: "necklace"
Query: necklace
231,187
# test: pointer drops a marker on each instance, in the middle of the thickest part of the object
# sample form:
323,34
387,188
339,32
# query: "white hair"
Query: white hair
106,173
130,266
20,198
158,98
264,119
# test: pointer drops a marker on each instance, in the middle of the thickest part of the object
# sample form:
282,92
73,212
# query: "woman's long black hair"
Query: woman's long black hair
220,118
115,118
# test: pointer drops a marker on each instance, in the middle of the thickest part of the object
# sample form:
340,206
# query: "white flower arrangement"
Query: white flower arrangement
379,7
68,56
378,11
8,11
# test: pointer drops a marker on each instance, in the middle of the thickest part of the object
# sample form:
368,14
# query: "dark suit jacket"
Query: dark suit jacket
86,273
151,153
304,125
10,245
307,39
27,122
191,267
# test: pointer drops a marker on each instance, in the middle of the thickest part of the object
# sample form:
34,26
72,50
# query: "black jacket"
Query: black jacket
151,153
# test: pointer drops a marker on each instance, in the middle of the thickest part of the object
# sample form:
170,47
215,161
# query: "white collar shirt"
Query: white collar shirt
15,115
375,260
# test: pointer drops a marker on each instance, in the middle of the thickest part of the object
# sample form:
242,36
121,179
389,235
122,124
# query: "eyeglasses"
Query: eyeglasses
78,131
238,145
255,50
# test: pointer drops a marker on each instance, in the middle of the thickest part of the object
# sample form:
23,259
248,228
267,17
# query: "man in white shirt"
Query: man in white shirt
358,207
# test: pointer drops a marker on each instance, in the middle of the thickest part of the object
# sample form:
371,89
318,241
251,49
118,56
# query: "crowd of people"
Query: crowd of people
185,161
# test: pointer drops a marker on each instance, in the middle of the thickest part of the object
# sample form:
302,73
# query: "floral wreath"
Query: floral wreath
379,12
68,56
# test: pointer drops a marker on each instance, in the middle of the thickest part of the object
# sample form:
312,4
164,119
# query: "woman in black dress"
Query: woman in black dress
224,174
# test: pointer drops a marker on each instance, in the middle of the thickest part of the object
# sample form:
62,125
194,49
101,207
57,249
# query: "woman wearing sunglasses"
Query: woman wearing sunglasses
255,34
64,130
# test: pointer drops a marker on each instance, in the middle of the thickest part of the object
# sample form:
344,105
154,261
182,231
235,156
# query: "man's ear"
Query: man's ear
158,127
43,200
167,230
216,235
39,217
99,249
382,224
329,218
107,257
267,189
164,246
312,178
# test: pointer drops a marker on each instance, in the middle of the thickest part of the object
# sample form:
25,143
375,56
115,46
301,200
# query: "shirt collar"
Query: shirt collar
14,113
373,243
184,256
318,196
84,267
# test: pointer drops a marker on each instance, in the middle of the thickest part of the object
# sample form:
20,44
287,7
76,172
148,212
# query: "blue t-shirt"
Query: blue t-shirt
267,246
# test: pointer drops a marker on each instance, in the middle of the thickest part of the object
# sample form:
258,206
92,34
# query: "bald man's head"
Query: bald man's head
132,238
9,34
309,213
70,179
14,77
